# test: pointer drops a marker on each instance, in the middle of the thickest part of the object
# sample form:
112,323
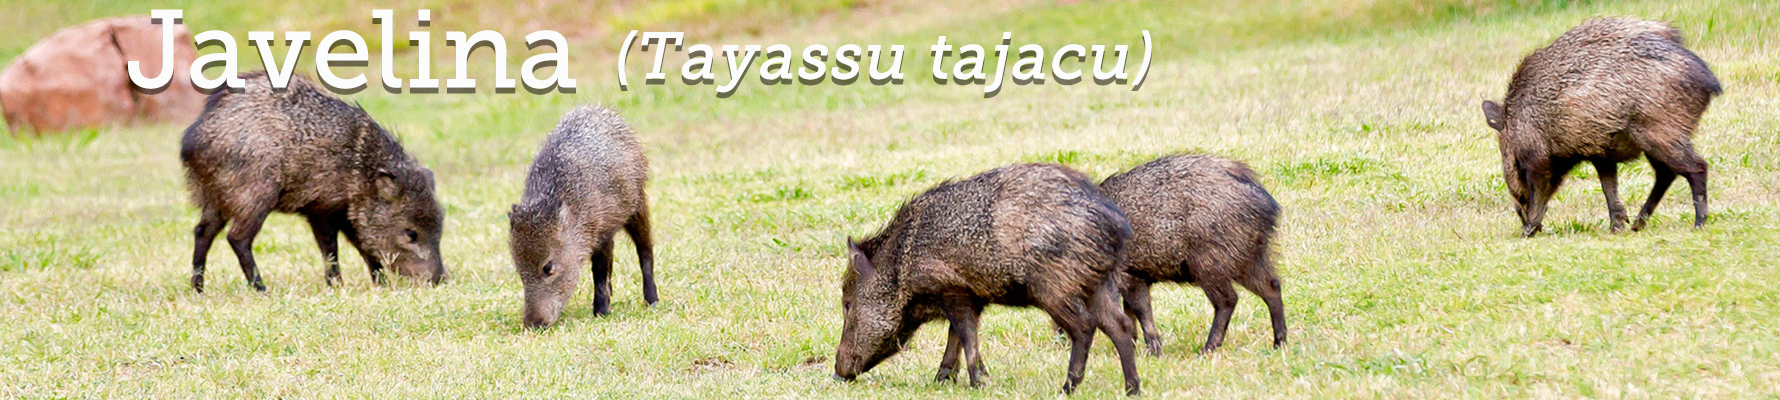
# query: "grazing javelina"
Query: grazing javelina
1023,235
1603,93
299,150
1202,220
586,184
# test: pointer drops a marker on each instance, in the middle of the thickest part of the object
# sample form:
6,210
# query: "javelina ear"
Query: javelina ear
386,186
1492,113
861,263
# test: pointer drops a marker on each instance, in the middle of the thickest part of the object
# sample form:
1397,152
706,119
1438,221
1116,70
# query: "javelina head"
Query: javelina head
400,222
1514,168
546,260
873,302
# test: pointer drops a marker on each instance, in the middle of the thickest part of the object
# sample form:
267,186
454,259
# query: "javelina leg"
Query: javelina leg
1690,166
1697,182
638,229
1223,303
1262,282
327,237
209,225
962,315
1609,174
241,239
1139,310
1106,309
602,279
1078,324
1680,158
948,363
1664,177
372,264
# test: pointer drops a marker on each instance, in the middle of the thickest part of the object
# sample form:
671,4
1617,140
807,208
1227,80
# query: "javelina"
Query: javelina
1034,235
299,150
1603,92
1202,220
586,183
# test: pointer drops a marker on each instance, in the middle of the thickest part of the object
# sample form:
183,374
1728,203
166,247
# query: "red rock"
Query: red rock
76,78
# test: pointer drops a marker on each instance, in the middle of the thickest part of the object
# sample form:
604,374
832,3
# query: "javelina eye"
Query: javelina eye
412,235
548,267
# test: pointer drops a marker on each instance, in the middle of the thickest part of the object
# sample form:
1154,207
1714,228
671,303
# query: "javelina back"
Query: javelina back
1603,93
585,185
1202,220
299,150
1033,235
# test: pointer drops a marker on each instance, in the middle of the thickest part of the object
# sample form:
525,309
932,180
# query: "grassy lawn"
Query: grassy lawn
1404,273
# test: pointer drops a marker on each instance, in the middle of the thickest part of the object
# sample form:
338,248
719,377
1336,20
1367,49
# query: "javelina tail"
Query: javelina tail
189,147
1268,208
1699,75
1115,223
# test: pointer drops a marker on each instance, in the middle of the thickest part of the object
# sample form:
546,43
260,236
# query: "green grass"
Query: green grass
1404,275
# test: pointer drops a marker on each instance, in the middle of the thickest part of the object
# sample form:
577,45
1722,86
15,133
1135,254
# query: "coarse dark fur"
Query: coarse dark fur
299,150
1603,93
1029,235
1201,220
586,184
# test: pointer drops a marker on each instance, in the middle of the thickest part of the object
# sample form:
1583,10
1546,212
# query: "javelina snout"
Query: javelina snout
542,311
586,184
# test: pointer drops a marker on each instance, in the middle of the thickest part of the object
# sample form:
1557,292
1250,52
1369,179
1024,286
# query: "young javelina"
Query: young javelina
1202,220
1603,93
300,150
586,184
1033,235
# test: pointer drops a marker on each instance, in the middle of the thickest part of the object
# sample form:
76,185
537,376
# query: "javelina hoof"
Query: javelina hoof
1155,347
1531,230
1133,391
1638,226
839,378
945,374
198,283
258,287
